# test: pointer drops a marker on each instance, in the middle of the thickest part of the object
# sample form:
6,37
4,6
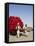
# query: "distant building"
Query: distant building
29,29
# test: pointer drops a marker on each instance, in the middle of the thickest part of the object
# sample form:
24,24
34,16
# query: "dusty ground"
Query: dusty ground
21,38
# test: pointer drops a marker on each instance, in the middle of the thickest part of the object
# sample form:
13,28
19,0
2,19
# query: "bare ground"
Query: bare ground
29,37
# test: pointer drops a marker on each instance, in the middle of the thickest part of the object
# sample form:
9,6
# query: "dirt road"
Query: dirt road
21,38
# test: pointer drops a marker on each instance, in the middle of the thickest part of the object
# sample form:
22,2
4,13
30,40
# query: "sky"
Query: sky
25,12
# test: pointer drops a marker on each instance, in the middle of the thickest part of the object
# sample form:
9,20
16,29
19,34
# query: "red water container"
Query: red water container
12,22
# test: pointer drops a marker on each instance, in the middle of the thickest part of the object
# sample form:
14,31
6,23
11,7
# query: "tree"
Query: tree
25,25
12,22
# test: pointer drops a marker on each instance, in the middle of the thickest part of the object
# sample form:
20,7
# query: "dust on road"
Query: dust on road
21,38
